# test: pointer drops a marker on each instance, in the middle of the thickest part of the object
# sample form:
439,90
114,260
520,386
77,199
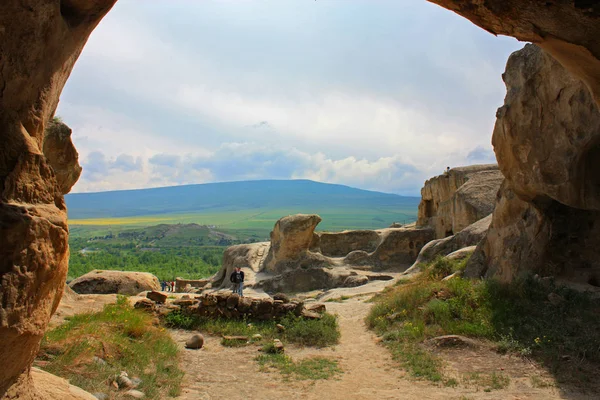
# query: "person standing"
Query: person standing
237,278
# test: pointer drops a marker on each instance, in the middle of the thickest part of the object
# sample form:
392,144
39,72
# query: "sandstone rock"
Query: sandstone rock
100,396
195,342
278,346
468,237
49,387
280,327
60,153
547,215
290,242
458,198
462,253
339,244
233,300
310,315
355,280
249,257
257,336
157,297
40,45
105,282
316,307
282,297
185,303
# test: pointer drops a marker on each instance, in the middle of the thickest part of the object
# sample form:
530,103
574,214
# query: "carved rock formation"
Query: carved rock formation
298,259
547,140
458,198
291,240
567,29
39,43
61,154
119,282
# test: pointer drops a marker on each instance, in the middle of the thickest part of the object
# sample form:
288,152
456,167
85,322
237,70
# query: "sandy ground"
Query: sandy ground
218,372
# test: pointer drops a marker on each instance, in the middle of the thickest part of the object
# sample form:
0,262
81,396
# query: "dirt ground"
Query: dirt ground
217,372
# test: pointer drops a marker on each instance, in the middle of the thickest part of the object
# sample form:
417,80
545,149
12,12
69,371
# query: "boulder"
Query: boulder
105,282
547,140
144,304
456,199
282,297
157,296
316,307
195,342
50,386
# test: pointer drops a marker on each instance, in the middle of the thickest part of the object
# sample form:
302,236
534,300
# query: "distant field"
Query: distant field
253,222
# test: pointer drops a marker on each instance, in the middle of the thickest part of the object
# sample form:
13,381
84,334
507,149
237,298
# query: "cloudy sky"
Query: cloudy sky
374,94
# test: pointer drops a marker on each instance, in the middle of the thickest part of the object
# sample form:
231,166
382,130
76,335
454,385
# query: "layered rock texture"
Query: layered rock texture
119,282
547,141
461,196
300,259
39,43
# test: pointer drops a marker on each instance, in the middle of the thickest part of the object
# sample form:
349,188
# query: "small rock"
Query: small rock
157,296
278,346
249,325
186,296
310,315
136,394
257,336
280,328
144,304
98,360
114,384
555,299
316,307
282,297
454,275
123,381
355,280
100,396
195,342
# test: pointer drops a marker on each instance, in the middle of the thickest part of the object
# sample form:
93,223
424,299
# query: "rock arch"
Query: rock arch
40,40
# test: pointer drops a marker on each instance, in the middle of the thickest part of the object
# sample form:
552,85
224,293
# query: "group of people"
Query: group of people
167,286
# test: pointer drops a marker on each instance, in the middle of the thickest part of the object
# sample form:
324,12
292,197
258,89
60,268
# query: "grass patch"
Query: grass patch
125,339
337,299
313,368
488,382
518,317
304,332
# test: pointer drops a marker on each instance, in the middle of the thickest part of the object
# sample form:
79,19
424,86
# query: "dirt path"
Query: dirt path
218,372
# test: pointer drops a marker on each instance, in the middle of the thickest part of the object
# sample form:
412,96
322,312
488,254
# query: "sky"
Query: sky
374,94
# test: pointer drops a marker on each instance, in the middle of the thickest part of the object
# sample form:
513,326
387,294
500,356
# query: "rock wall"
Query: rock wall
547,140
39,43
461,196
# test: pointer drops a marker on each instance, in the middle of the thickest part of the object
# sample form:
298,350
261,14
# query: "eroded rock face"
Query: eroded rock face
291,240
339,244
569,30
456,199
119,282
61,155
547,140
39,43
249,257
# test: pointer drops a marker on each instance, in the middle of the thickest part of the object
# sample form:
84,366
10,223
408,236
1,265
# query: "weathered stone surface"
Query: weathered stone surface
157,296
61,154
456,199
547,137
50,387
105,282
291,239
355,280
249,257
316,307
144,304
470,236
568,30
39,43
339,244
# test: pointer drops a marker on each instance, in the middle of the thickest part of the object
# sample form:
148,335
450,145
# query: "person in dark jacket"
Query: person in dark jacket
237,278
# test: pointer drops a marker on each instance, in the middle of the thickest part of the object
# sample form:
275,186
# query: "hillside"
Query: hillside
229,197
